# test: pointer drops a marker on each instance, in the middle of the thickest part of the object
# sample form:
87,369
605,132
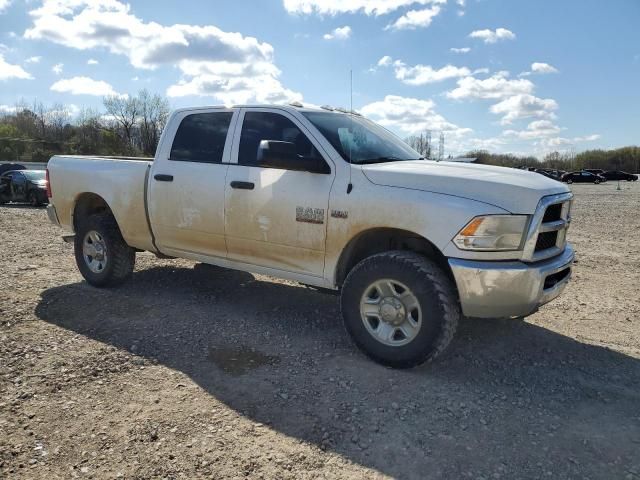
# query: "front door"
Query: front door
276,217
186,188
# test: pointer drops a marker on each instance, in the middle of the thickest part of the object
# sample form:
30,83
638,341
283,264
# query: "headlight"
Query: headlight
492,232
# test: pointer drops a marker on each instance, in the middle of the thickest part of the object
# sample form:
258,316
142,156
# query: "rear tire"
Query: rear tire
417,308
597,182
33,199
103,257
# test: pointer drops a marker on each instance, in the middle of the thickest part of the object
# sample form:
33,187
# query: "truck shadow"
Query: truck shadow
507,393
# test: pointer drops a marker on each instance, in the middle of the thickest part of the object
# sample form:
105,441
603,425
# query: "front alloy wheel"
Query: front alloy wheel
399,308
391,312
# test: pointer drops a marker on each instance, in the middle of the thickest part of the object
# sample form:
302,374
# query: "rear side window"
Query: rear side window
258,126
201,137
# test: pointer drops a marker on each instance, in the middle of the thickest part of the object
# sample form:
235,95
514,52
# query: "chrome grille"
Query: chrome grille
547,233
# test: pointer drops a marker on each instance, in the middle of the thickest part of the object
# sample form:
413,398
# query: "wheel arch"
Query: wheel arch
89,203
378,240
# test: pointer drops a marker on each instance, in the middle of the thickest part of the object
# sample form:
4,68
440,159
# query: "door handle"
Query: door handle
161,177
242,185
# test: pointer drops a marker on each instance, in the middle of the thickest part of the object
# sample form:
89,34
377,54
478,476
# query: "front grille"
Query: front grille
547,235
553,213
546,240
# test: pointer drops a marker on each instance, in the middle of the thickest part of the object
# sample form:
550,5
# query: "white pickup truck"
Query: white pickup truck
328,199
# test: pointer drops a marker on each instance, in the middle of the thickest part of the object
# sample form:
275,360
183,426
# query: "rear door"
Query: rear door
186,189
18,186
276,217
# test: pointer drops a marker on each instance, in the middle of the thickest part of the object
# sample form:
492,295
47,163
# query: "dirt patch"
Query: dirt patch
238,361
190,371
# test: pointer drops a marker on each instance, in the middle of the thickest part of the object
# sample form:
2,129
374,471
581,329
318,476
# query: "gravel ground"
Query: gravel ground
190,371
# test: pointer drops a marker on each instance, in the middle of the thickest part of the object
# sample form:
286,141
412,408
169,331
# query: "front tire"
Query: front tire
103,257
399,308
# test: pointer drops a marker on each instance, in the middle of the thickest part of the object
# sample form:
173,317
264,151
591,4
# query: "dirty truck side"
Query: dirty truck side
328,199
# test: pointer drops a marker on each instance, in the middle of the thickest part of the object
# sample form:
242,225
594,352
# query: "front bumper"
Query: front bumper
510,289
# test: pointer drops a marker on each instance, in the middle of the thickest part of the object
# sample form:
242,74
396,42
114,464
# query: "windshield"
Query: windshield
34,175
359,140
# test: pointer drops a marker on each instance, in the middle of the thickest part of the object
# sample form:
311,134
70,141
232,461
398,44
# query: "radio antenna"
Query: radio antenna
352,136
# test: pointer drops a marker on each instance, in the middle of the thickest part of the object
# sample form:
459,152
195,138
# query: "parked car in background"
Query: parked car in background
620,175
583,177
553,174
24,186
595,171
7,167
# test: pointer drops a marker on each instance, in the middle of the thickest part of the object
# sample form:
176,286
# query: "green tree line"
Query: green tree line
129,126
624,158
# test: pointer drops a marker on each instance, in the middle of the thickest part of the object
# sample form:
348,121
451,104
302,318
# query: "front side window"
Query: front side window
260,126
201,138
359,140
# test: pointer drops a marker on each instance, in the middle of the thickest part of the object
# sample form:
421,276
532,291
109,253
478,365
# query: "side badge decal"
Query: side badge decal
339,213
310,215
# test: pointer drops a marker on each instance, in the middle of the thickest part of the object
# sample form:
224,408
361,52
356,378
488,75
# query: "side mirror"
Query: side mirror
282,155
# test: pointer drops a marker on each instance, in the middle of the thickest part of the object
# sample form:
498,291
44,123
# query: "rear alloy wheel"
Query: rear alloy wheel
596,181
103,257
399,308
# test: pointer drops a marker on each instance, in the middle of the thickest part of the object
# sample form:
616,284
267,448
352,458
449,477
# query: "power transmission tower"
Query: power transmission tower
441,147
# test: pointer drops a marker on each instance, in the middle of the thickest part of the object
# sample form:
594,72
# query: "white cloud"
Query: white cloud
415,19
84,86
536,129
235,90
521,106
4,4
9,71
410,116
491,36
423,74
368,7
495,87
385,61
34,59
92,61
57,68
7,109
213,62
460,50
538,67
340,33
561,141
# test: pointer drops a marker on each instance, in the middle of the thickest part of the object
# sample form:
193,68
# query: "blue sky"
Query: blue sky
528,76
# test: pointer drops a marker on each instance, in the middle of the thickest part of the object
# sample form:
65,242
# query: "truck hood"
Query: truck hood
517,191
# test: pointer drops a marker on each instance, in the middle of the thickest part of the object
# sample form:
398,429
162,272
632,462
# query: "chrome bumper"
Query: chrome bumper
510,289
53,216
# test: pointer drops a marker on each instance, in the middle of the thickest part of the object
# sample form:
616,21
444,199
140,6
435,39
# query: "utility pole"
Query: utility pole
441,147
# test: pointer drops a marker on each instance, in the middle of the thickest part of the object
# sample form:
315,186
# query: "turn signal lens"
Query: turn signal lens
493,233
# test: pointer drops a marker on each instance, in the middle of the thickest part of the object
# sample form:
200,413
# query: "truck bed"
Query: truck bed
119,181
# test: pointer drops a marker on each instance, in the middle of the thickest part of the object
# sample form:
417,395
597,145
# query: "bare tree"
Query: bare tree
57,117
154,111
125,111
421,143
